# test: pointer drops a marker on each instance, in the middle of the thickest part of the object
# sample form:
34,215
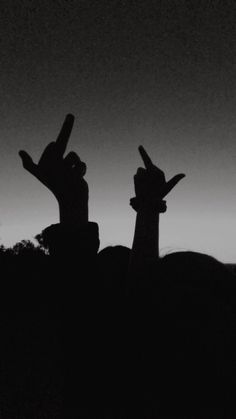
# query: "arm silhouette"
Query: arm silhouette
150,188
64,177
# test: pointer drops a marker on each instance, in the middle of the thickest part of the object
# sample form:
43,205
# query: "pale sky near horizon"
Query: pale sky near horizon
157,73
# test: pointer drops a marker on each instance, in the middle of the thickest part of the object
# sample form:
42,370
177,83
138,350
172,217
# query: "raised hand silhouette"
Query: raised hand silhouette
150,188
150,183
63,176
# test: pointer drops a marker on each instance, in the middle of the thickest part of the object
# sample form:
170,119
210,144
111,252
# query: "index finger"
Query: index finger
64,135
145,157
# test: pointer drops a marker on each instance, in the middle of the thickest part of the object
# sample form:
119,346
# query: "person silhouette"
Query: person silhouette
64,177
185,300
150,188
72,283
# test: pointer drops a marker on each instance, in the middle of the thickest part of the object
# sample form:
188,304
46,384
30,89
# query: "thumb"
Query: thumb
173,182
27,162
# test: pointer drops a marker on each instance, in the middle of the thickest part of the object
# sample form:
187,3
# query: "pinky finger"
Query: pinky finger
173,182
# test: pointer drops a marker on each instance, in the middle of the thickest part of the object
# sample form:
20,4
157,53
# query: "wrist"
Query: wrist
73,214
148,205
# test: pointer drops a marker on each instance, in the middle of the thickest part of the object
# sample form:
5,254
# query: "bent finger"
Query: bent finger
141,171
72,160
80,169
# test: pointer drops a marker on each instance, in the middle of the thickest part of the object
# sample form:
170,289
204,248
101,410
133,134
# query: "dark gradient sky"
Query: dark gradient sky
157,73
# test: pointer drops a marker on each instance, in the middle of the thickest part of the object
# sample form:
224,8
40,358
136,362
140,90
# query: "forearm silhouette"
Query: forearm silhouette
150,188
63,176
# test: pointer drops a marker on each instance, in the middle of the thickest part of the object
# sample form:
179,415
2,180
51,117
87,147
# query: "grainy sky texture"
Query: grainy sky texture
157,73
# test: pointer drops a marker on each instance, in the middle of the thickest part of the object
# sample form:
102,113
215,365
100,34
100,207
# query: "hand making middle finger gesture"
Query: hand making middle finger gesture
150,183
62,175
